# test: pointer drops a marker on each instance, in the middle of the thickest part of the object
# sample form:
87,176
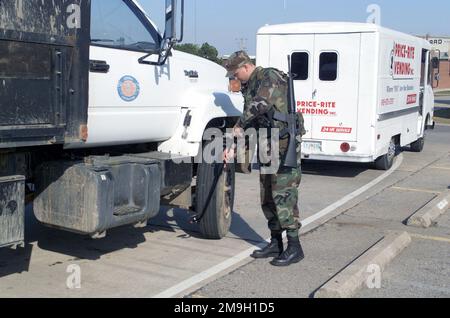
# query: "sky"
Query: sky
224,23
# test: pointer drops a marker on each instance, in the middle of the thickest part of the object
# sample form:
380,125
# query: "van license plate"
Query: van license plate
312,147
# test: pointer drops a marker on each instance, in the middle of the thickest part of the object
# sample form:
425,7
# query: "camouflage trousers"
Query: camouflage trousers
279,200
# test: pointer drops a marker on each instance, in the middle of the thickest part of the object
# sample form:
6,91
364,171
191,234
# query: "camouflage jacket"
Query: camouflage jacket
266,89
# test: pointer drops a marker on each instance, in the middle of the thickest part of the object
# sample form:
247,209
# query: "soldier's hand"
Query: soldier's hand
238,132
229,155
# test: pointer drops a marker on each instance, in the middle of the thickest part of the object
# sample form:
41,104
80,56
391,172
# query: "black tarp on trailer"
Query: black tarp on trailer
44,69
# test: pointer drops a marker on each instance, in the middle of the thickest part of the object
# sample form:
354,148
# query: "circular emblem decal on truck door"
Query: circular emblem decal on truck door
128,88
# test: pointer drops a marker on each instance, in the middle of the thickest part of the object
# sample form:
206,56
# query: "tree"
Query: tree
188,48
209,52
206,51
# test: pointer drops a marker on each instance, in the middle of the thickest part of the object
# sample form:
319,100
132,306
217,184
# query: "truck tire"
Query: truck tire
216,222
386,161
418,145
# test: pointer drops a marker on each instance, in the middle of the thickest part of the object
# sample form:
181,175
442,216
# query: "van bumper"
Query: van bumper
341,158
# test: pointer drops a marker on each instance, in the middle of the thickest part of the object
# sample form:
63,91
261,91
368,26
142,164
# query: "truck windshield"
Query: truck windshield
114,24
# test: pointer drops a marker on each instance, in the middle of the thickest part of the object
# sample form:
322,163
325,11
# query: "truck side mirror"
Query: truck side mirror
170,32
435,63
171,21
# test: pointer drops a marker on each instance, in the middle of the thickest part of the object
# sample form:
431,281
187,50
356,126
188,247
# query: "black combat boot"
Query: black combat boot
293,254
273,249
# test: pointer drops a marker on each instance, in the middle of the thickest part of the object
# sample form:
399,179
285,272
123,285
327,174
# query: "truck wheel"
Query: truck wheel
216,222
385,162
418,145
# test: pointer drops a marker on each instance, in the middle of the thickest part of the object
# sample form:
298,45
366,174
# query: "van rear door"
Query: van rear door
301,48
333,108
326,80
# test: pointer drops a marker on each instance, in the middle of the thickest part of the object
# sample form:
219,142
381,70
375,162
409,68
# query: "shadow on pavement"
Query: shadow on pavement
84,248
442,101
79,247
178,218
334,169
244,231
15,261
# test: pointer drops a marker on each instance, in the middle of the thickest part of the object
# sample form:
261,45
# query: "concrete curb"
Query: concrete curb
426,216
346,283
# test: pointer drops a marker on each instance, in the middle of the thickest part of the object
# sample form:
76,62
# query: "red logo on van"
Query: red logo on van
402,61
317,108
337,130
411,99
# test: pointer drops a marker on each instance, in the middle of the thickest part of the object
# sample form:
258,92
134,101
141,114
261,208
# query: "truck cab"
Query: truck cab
131,93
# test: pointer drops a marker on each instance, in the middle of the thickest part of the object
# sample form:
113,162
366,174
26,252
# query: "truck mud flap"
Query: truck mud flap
12,211
98,194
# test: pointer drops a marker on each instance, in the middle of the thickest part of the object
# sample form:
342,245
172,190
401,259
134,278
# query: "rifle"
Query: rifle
291,119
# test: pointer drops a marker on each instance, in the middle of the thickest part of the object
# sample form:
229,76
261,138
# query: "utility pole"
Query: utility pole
195,21
242,44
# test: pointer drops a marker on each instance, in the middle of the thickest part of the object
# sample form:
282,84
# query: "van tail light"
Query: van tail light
345,147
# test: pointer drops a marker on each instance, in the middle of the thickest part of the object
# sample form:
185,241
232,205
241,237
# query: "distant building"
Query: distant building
441,43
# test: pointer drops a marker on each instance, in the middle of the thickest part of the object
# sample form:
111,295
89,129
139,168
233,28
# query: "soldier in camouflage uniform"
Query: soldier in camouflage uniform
266,90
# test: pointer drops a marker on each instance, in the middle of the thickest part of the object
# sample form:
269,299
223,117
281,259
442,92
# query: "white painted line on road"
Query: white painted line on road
430,238
227,264
441,168
442,205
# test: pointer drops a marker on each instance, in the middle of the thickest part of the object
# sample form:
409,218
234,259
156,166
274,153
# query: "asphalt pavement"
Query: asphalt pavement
422,270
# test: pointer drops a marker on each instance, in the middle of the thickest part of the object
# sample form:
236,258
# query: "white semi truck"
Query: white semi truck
101,119
364,90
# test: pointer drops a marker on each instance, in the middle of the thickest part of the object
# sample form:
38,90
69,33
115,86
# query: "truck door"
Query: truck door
301,48
336,87
129,102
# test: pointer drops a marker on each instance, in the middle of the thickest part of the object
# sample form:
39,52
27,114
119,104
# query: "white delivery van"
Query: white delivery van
364,90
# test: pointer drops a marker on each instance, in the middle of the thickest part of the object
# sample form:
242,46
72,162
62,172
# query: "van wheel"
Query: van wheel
418,145
385,162
216,222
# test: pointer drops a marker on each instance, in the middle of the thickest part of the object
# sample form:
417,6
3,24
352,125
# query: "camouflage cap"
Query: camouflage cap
235,61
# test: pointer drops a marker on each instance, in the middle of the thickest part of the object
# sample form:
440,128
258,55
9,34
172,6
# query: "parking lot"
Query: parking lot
346,209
